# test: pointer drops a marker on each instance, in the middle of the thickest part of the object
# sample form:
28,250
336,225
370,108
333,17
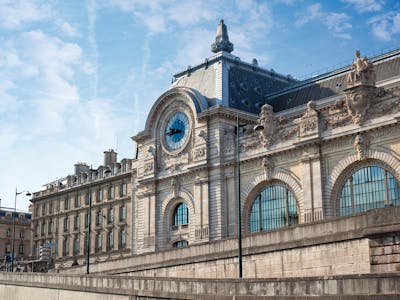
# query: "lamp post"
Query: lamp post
13,218
107,171
238,197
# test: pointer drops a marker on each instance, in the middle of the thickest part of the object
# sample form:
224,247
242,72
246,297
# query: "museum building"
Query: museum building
305,174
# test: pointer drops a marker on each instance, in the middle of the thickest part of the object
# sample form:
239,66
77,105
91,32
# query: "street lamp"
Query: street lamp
27,193
256,128
107,171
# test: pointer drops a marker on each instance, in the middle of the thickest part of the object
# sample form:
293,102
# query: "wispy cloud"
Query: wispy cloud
363,6
337,23
15,13
385,26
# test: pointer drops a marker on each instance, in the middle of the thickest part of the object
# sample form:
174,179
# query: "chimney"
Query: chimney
81,168
110,157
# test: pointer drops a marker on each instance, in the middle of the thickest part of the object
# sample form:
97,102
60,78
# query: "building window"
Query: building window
66,203
77,201
122,238
368,188
86,220
98,242
87,198
66,224
99,216
122,213
66,246
110,193
44,209
181,215
50,227
7,248
99,195
21,249
43,229
76,222
274,207
110,216
76,246
36,230
51,207
110,240
181,244
123,190
21,234
8,233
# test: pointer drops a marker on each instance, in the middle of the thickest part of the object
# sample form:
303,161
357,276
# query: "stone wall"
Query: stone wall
45,287
341,246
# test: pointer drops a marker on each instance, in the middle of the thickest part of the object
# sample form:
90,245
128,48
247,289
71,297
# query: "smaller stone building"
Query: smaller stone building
22,235
61,213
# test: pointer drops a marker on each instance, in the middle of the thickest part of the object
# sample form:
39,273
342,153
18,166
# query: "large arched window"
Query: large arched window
181,215
274,207
368,188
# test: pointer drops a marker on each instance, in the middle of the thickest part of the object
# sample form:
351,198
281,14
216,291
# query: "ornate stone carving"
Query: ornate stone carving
268,166
228,145
175,185
361,145
358,102
309,122
151,151
199,153
148,167
267,124
203,135
362,72
361,90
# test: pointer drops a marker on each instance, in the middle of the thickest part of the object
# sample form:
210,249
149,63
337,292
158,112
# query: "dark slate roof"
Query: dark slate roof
386,66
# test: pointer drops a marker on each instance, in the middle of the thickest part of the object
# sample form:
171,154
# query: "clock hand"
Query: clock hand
173,131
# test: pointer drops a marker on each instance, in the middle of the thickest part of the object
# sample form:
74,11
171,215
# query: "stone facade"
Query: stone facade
61,210
22,235
305,153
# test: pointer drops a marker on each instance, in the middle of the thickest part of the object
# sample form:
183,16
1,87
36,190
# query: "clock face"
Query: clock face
177,131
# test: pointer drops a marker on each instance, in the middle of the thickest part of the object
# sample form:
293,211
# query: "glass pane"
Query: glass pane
181,215
273,208
366,190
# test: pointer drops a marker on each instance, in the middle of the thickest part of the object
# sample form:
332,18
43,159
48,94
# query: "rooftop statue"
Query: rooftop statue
362,71
222,42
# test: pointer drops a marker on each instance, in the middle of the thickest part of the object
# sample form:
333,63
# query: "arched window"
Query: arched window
181,244
181,215
274,207
368,188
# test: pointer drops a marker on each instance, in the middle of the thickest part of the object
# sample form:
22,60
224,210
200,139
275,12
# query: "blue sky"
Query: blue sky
77,78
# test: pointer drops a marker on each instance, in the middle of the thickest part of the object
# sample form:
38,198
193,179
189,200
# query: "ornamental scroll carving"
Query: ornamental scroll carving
267,124
361,91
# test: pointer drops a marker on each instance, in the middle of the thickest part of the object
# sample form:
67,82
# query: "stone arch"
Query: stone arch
254,186
167,209
346,166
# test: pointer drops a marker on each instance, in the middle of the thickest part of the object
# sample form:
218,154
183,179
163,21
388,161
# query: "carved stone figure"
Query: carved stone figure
361,90
309,122
362,71
268,166
361,146
267,124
